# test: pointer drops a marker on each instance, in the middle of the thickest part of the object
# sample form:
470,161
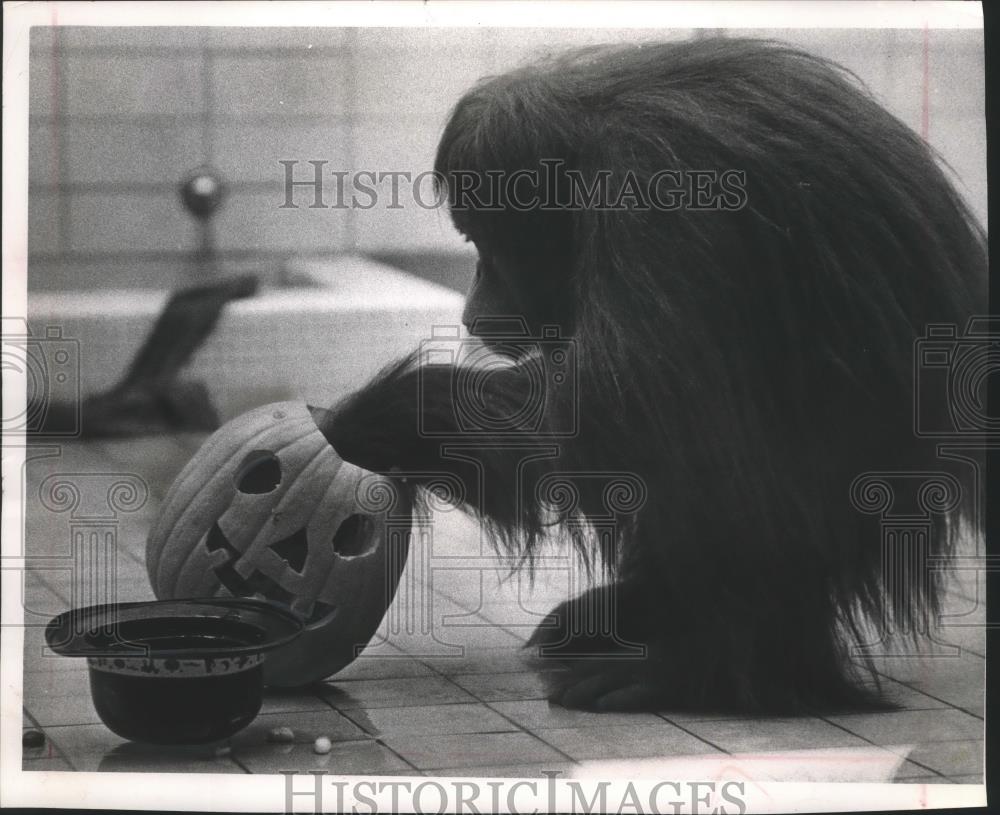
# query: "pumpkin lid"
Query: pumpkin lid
189,629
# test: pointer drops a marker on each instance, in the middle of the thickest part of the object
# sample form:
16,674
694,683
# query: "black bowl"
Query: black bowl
175,671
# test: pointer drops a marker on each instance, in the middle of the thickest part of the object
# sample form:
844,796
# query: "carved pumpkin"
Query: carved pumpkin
266,507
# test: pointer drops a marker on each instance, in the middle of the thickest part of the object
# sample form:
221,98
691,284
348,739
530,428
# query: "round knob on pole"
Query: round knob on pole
202,192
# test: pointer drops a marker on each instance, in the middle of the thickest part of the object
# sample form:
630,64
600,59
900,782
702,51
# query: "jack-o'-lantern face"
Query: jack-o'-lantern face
267,507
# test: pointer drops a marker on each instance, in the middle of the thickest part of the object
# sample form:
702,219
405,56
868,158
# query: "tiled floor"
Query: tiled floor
471,702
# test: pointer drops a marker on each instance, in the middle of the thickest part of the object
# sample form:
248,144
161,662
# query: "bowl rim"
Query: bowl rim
68,633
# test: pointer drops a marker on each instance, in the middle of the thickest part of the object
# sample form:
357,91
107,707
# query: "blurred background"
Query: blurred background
132,331
120,115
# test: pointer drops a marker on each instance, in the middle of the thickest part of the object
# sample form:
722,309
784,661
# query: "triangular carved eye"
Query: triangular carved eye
293,550
215,539
355,536
259,473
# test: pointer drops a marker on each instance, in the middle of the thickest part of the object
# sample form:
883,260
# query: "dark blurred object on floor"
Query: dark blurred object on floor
152,397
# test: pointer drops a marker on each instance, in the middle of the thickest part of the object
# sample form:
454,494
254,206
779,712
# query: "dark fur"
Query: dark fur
748,365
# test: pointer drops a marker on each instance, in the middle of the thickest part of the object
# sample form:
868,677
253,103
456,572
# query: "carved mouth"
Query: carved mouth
292,550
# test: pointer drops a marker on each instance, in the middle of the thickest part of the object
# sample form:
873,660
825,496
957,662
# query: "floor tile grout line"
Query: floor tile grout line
36,726
692,733
27,713
493,624
450,677
357,724
567,757
134,558
474,700
343,715
904,682
45,583
233,758
36,672
880,746
858,662
538,737
947,705
406,761
450,680
51,587
490,704
440,676
950,705
354,679
110,448
522,729
524,670
931,770
49,727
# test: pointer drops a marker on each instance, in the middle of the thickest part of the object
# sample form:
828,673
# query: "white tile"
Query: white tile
949,757
47,765
503,687
538,714
117,38
43,155
390,665
43,83
45,224
251,221
473,750
769,735
958,680
127,85
625,741
276,38
421,44
428,720
912,726
105,153
395,88
96,749
405,692
247,84
541,770
245,151
306,727
129,222
346,758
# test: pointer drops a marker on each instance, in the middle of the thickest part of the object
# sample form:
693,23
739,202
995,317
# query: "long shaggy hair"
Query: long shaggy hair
747,364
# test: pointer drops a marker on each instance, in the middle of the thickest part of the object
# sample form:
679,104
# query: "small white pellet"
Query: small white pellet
322,746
